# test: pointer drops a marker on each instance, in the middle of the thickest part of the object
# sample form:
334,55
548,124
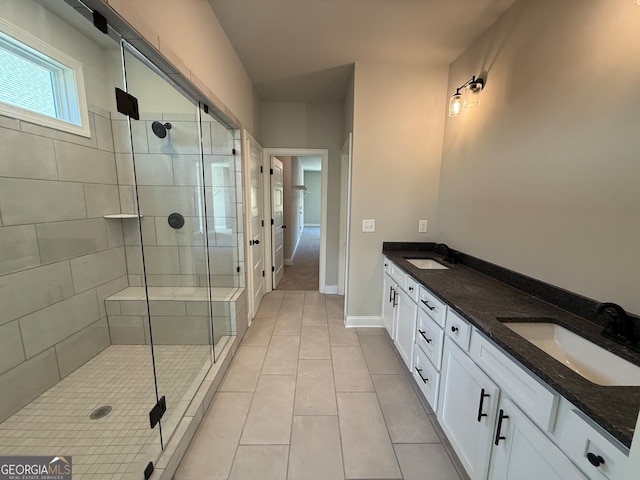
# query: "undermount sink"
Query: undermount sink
426,264
579,354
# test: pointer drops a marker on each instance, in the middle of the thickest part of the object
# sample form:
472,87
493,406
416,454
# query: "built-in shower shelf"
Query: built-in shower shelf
123,215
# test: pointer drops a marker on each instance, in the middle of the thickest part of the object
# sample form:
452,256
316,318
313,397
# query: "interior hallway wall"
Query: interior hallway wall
398,124
543,177
312,201
312,125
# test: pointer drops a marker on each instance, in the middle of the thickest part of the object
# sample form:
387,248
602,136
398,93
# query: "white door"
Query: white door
467,409
523,452
256,217
277,212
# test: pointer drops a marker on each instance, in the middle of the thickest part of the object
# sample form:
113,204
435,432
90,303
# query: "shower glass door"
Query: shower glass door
168,254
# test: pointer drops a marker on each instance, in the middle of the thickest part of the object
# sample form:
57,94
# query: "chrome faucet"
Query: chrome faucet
621,327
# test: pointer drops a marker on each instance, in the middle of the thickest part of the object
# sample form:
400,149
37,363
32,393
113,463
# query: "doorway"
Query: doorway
293,227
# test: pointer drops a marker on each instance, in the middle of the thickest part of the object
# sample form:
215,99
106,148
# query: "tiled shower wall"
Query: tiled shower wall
59,258
169,178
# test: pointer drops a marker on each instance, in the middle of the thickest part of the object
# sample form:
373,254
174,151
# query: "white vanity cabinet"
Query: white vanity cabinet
389,299
521,451
405,327
399,309
467,409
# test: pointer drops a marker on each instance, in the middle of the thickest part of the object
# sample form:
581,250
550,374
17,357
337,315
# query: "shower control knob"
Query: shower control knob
176,221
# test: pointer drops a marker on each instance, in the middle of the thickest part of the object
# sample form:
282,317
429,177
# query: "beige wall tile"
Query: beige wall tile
26,156
25,292
46,327
30,201
127,330
101,199
98,268
64,240
79,348
18,248
11,352
25,382
83,164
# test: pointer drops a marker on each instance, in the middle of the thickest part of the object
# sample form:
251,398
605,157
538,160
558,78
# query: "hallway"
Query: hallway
304,271
307,398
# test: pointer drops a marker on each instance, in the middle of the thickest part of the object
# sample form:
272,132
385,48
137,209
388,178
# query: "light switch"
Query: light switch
422,226
368,226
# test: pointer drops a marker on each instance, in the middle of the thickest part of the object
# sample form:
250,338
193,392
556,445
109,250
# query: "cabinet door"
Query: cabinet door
467,409
405,327
388,304
522,451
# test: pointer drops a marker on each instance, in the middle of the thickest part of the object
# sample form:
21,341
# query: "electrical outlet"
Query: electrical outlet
368,226
422,226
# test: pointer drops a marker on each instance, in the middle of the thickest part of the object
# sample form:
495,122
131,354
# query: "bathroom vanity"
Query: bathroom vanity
509,409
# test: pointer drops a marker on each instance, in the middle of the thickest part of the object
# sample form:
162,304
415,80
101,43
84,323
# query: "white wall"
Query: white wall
543,177
192,31
311,125
397,140
312,201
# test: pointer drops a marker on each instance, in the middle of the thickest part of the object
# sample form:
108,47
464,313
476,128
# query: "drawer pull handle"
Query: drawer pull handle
501,417
391,294
428,340
428,306
595,460
454,329
395,299
419,370
482,396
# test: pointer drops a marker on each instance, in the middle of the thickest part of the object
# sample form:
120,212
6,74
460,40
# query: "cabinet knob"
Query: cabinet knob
595,460
454,329
411,289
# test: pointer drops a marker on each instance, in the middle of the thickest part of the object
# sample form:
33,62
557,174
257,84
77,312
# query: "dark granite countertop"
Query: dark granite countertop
483,300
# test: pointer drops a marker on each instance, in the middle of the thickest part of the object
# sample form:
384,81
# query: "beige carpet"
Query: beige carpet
304,271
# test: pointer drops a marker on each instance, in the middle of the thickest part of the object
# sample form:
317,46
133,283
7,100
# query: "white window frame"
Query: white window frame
70,95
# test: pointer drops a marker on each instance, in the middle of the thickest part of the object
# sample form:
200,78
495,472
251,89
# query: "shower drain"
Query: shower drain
100,412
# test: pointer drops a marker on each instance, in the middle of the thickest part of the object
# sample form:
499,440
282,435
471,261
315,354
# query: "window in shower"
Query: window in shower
40,84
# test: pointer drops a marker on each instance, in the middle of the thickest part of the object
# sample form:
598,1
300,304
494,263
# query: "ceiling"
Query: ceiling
303,50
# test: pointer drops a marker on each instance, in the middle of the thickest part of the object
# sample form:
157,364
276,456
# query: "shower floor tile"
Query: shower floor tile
120,444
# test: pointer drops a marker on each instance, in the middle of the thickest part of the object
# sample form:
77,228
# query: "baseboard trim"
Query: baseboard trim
331,289
352,321
312,225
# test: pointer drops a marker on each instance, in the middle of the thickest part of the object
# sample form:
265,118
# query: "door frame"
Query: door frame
323,153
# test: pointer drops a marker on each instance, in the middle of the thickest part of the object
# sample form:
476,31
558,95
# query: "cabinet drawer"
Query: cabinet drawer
427,377
584,442
429,337
433,306
397,274
533,397
458,329
412,288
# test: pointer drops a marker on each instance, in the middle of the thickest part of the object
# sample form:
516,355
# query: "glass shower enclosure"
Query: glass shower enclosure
120,256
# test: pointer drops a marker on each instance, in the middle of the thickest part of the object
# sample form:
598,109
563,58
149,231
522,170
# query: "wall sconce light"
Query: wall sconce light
472,89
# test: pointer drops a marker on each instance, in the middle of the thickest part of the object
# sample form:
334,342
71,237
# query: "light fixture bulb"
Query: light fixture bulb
455,104
472,93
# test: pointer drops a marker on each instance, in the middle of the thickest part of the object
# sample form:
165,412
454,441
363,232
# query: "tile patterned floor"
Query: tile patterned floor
119,445
307,398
